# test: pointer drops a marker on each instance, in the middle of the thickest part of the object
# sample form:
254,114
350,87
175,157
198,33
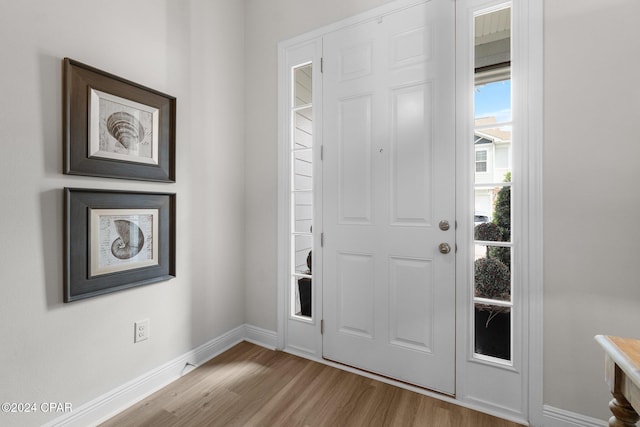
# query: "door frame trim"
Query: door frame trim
531,18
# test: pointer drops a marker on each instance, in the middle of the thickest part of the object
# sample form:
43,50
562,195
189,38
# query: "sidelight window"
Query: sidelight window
493,288
301,192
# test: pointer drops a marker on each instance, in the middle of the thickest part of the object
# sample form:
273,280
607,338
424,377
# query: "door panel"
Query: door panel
411,151
411,310
388,179
355,294
356,61
355,184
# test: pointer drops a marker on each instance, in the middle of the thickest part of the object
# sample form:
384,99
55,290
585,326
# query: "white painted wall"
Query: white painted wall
591,196
55,352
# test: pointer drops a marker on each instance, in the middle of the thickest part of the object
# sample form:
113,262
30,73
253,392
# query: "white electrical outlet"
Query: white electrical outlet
141,328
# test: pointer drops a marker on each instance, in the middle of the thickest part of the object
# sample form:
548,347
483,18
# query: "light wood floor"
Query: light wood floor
252,386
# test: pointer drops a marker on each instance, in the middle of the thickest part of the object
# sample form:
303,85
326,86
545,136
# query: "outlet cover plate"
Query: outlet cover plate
141,328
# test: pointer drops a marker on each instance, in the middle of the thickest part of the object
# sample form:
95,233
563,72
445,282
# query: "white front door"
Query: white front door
388,186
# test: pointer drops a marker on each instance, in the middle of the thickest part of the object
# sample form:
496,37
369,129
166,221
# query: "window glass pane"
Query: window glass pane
302,296
302,212
493,102
493,154
492,216
493,331
502,211
302,247
301,176
492,145
302,128
492,272
302,170
295,296
302,88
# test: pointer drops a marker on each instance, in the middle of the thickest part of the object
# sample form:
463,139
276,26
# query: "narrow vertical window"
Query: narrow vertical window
492,143
301,189
481,160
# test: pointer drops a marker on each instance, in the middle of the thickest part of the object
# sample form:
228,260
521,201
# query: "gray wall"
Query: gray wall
591,197
50,351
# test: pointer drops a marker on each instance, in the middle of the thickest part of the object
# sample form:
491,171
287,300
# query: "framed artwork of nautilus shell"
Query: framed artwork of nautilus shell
117,240
116,128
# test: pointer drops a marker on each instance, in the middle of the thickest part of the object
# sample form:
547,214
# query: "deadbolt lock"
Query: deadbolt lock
444,225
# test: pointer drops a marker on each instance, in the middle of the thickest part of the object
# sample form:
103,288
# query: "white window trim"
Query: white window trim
527,46
298,334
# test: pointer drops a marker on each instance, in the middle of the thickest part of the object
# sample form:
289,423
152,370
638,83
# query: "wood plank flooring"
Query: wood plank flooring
252,386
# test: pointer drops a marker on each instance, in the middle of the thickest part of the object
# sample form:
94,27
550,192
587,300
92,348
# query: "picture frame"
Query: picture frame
116,128
116,240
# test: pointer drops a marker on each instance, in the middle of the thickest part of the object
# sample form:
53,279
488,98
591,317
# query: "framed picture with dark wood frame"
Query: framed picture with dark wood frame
116,128
117,240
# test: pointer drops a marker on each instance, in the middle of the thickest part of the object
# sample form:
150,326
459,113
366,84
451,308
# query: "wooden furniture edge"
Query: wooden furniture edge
613,350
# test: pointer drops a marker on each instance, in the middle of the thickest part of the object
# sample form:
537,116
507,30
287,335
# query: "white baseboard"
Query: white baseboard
106,406
261,337
554,417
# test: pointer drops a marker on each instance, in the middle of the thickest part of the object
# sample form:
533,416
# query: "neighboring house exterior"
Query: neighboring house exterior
492,162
